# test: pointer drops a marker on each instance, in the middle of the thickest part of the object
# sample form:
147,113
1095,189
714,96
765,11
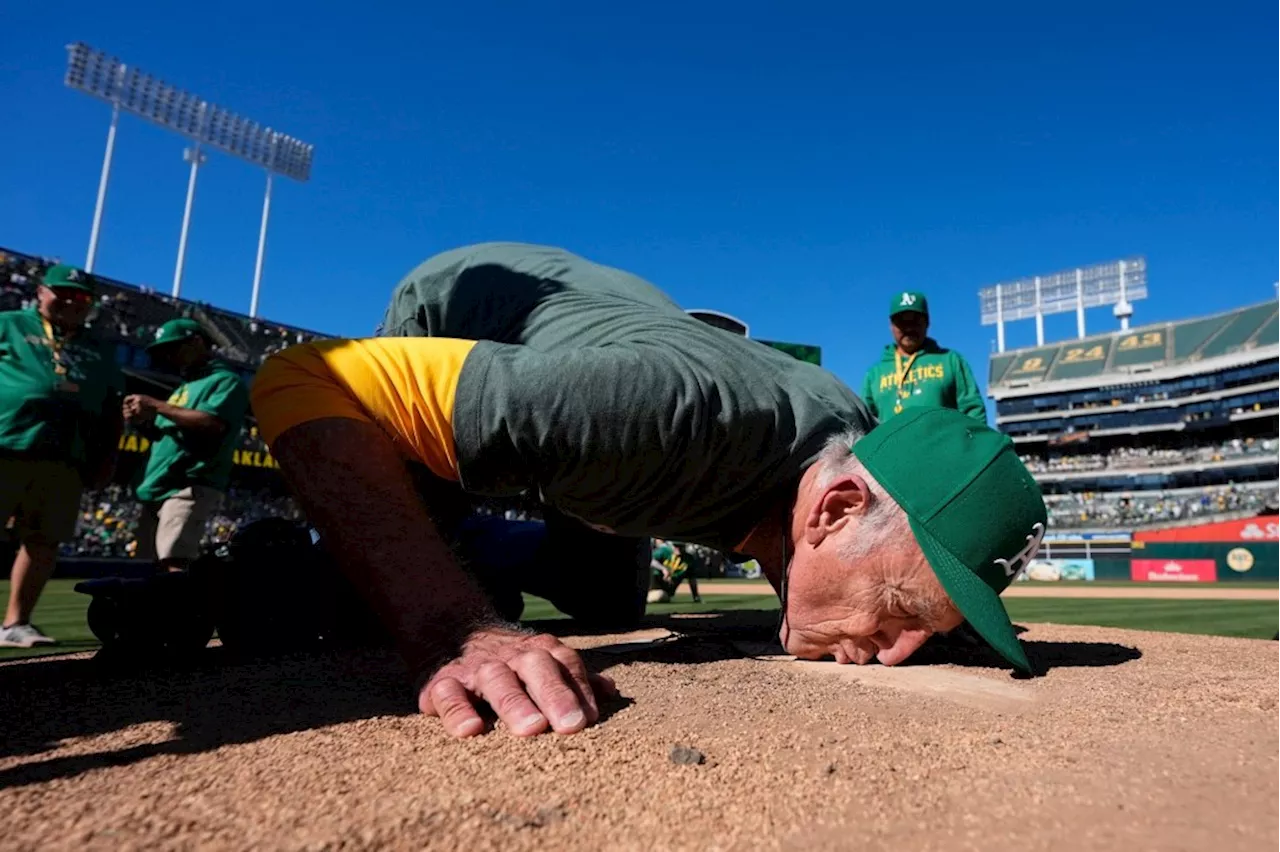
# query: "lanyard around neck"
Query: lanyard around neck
55,347
903,370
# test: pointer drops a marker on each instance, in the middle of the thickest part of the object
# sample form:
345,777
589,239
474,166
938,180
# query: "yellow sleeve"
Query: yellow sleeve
404,385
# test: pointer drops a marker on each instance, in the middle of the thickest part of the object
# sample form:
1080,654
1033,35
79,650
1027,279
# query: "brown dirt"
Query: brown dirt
1199,592
1128,741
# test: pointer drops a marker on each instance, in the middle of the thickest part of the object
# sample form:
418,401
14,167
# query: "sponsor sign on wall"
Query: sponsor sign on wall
1247,530
1240,559
1174,570
1056,570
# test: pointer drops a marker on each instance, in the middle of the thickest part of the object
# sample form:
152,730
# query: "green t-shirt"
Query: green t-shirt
179,460
597,393
53,393
936,378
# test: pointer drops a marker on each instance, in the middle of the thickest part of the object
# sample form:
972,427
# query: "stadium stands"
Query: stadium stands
109,520
1136,510
129,315
1237,331
1149,426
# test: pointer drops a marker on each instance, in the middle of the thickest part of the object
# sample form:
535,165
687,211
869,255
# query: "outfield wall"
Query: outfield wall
1246,549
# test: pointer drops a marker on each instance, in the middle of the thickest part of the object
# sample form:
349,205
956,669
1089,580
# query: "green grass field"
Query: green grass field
61,614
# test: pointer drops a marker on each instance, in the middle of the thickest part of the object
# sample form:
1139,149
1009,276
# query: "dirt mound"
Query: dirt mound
1127,740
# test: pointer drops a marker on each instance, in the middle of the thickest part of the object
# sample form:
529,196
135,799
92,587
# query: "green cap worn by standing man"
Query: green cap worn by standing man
914,371
176,331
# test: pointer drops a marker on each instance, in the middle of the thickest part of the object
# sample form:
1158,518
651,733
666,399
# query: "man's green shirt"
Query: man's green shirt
935,378
596,392
54,391
179,460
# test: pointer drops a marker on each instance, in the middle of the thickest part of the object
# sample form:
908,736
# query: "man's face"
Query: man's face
909,329
178,357
881,605
65,307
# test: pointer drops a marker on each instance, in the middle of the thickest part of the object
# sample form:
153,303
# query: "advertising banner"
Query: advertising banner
1174,570
1248,530
1058,570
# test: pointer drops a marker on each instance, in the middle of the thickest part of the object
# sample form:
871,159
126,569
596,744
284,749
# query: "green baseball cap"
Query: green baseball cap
176,331
65,276
908,300
975,510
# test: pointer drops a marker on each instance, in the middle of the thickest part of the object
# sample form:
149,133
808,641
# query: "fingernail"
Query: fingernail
471,727
530,722
570,720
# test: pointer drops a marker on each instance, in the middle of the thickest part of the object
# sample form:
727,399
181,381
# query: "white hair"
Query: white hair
885,526
885,522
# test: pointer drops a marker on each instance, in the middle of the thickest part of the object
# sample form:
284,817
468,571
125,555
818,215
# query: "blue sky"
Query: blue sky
793,164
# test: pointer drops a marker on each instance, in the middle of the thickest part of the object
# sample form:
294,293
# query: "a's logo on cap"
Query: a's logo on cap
908,299
1019,561
74,276
159,333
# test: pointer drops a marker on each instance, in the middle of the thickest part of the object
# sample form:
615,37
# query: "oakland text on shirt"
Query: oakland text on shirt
923,373
132,442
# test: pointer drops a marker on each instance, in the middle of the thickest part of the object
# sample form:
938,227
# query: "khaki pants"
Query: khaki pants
43,497
172,528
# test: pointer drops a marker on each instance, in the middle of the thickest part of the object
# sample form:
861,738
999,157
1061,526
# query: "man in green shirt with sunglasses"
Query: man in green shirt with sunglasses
59,429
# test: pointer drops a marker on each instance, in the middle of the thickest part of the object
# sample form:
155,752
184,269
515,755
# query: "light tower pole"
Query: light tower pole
103,179
193,156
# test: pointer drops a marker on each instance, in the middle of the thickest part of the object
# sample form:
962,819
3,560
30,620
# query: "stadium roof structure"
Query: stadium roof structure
1160,351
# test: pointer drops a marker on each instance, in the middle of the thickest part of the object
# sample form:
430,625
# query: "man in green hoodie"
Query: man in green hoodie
195,433
915,372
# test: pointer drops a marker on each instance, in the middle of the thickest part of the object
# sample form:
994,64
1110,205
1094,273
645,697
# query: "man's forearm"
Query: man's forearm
188,419
356,490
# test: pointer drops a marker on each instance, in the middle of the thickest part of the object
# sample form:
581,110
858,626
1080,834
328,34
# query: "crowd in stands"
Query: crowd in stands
1144,509
109,520
1130,458
133,314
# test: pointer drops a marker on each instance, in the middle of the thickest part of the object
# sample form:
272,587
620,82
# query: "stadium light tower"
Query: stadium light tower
104,77
1115,283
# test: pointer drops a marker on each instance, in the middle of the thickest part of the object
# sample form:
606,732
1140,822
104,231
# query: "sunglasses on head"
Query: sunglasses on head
68,294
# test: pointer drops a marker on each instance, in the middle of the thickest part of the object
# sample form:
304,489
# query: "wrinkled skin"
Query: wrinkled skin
880,606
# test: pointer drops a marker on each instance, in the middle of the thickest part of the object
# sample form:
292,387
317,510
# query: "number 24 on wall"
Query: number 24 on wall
1079,353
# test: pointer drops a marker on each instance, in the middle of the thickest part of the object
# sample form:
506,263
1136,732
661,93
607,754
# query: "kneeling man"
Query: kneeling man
614,407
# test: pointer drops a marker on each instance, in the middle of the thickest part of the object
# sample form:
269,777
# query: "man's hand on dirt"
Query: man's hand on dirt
531,680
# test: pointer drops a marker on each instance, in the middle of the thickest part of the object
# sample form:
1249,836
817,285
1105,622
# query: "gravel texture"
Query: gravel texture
1126,741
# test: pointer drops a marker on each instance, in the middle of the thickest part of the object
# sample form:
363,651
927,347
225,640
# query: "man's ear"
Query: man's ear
847,497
